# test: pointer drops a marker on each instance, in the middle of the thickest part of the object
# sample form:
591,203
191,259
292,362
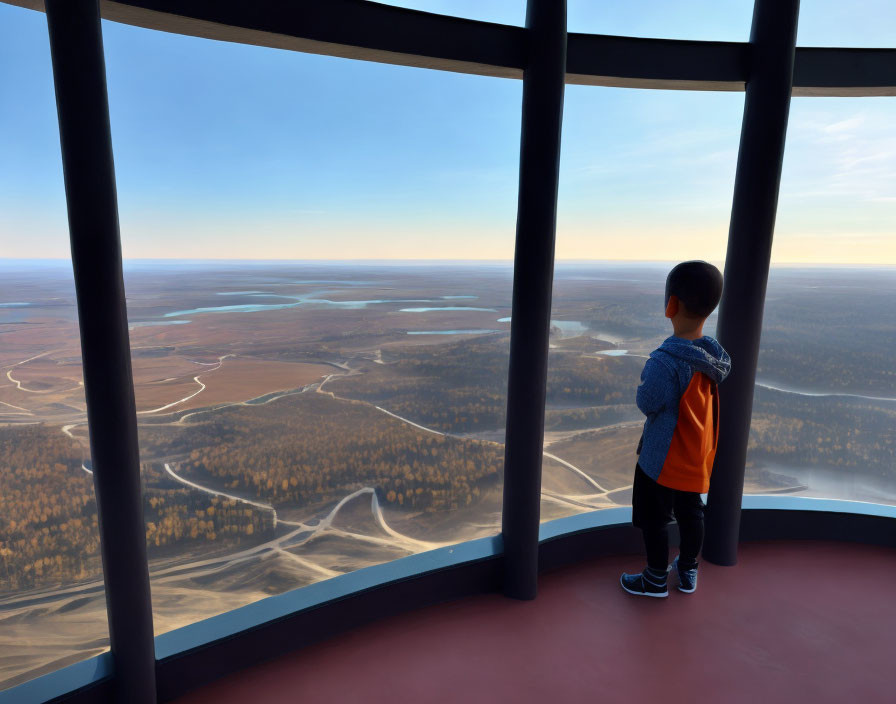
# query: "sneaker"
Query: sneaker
687,579
645,584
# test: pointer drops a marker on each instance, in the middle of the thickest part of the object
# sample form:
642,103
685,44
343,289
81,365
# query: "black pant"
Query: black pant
653,507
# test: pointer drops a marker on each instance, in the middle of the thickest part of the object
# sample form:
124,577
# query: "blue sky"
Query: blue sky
230,151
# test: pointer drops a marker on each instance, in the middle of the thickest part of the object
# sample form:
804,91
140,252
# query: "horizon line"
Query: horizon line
445,260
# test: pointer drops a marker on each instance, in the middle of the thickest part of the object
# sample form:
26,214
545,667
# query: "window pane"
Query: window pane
52,603
706,20
646,182
320,380
825,404
862,23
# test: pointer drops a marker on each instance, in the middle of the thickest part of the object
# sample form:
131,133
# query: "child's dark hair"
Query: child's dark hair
697,284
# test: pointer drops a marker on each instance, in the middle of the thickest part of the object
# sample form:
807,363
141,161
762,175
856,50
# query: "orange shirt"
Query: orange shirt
688,464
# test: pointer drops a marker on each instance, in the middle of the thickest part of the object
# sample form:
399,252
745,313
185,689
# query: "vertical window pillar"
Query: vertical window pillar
79,74
759,160
533,271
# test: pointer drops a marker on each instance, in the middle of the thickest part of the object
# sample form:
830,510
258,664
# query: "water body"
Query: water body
450,332
244,308
613,353
821,394
307,299
364,304
426,310
460,297
238,293
13,305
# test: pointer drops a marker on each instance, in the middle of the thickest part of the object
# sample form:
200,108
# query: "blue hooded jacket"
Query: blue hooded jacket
666,375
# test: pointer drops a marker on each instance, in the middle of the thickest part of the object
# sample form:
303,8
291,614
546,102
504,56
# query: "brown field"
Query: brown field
46,388
153,370
237,379
50,387
46,375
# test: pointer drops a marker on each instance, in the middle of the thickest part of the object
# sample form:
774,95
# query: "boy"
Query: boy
678,395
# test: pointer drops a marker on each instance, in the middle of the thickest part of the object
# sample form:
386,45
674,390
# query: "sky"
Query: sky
231,151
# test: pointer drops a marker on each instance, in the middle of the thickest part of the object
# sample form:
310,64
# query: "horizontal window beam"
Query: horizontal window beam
368,31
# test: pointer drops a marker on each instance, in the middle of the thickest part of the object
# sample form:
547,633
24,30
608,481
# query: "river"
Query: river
787,389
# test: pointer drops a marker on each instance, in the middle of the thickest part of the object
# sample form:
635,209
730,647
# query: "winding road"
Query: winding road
24,412
214,492
19,383
399,540
302,532
215,367
579,501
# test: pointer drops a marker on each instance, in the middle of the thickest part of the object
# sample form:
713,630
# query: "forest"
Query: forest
49,534
48,520
590,416
178,517
859,436
838,337
311,449
462,387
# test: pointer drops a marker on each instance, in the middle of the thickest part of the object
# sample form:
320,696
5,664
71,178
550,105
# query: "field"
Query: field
298,421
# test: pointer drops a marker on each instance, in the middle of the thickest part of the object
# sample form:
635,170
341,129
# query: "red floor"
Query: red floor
794,621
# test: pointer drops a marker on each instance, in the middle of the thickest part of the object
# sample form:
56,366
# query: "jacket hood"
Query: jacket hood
703,355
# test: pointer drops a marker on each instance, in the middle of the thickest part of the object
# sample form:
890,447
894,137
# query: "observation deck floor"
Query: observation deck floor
804,621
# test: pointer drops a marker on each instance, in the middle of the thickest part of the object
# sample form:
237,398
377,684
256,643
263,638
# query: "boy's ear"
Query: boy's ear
672,306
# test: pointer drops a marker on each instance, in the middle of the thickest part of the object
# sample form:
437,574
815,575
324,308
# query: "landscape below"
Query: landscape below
298,421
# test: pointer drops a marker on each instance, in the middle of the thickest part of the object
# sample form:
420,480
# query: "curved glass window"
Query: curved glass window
825,404
319,269
52,599
318,252
646,181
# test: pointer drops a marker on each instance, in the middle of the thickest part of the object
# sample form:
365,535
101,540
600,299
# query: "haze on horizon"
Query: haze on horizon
225,151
